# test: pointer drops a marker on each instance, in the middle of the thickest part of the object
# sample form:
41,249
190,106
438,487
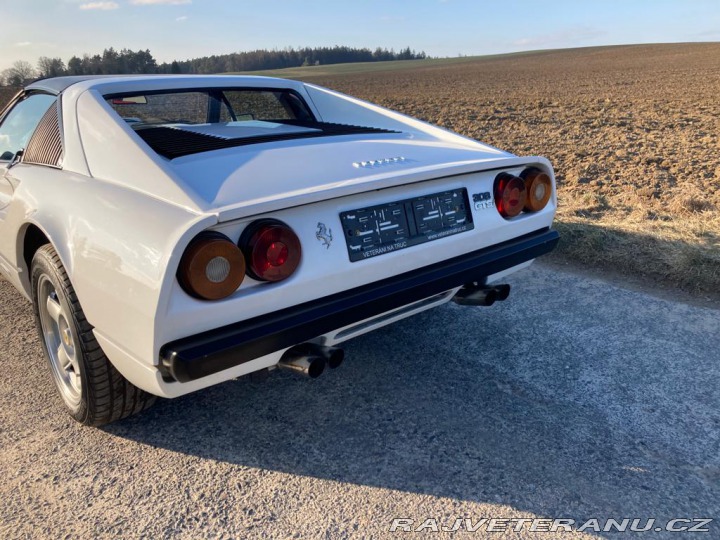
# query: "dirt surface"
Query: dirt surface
574,399
633,133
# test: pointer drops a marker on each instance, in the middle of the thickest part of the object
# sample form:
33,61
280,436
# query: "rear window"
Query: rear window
209,107
186,122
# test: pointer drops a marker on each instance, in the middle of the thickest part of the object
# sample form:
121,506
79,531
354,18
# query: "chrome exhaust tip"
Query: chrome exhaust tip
481,295
299,360
502,291
333,356
472,296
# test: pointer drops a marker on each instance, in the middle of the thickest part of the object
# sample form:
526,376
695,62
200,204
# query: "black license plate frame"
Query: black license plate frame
372,231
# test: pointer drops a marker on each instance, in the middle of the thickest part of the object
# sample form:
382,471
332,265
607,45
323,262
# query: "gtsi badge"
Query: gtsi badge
483,200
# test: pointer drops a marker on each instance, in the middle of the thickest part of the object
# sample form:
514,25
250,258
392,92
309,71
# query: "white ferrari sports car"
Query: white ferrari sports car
175,232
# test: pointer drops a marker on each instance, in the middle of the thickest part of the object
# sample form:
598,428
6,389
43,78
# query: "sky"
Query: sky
183,29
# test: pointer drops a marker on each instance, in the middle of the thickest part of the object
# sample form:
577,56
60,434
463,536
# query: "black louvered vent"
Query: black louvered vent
45,146
172,143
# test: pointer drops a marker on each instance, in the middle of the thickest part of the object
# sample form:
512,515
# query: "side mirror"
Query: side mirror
17,158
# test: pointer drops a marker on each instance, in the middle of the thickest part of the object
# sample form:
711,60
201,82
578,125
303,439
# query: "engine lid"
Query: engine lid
259,178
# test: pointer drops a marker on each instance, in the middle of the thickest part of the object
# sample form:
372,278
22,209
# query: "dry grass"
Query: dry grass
633,133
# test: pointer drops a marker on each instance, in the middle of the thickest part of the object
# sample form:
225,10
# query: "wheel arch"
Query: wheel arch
33,239
32,236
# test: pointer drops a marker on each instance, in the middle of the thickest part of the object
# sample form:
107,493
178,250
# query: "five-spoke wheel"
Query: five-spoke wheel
60,343
93,391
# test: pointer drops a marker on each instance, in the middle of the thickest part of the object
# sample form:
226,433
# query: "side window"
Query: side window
20,123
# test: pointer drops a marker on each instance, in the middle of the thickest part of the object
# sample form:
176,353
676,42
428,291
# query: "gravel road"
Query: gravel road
575,399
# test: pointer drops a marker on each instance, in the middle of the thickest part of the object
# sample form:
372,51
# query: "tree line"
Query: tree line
126,61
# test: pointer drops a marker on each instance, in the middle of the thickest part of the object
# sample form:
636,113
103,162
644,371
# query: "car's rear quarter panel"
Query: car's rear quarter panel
115,244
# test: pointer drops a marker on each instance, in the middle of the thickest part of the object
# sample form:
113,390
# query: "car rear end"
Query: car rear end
325,272
319,218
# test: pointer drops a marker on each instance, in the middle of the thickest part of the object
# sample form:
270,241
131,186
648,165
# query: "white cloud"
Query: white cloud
22,44
159,2
567,37
99,5
182,19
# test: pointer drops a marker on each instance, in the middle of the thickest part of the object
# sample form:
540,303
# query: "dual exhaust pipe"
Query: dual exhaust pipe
475,295
310,359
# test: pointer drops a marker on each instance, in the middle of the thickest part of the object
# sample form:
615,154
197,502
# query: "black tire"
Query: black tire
99,394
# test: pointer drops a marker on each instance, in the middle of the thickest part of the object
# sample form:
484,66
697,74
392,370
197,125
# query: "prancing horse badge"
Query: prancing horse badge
324,235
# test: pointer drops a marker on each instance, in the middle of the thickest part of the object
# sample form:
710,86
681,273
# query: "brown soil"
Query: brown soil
633,133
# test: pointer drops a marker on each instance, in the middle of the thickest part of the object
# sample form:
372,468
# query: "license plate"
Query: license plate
380,229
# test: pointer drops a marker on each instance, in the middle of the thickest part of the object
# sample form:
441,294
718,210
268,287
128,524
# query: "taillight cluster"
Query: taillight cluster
213,266
529,192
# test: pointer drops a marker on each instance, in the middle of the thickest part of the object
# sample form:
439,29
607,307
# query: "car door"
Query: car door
16,128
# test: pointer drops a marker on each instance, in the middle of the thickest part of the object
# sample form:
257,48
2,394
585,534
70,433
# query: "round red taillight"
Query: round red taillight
510,195
212,267
272,250
539,189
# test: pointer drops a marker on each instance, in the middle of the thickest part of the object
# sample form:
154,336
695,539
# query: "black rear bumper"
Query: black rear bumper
203,354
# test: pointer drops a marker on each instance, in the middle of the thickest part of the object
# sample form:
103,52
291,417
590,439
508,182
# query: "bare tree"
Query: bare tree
50,67
18,73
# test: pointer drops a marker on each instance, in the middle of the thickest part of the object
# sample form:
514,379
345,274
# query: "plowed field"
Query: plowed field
633,133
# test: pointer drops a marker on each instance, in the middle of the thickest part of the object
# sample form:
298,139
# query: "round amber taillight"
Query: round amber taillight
539,189
510,195
212,267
